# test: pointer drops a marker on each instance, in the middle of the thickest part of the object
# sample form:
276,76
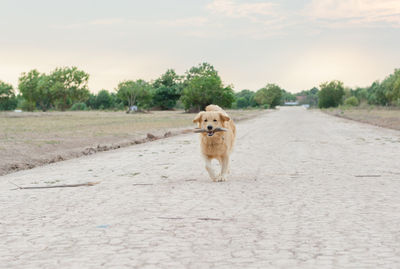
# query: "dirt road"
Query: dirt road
307,190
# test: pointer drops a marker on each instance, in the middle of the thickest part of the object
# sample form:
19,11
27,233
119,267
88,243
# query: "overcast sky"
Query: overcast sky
296,44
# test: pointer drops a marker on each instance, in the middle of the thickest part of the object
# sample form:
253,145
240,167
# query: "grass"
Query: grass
380,116
29,139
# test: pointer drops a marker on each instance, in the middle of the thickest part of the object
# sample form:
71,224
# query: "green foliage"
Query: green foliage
8,100
287,97
203,86
78,106
392,87
68,85
60,89
351,101
103,100
309,97
244,99
270,95
168,89
91,101
331,94
137,93
28,87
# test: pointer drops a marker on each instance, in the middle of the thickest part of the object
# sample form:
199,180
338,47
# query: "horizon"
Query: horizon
250,43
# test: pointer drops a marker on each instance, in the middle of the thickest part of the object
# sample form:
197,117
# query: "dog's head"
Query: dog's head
209,120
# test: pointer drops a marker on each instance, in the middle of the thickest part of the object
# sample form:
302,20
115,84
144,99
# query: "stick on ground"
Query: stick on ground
56,186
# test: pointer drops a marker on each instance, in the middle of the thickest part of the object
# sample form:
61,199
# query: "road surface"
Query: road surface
306,190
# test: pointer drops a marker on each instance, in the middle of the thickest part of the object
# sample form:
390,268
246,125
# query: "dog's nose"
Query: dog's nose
209,127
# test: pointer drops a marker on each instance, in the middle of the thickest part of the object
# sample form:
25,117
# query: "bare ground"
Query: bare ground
28,140
306,190
379,116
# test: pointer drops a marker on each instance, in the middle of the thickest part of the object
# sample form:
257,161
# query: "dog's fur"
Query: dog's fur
218,145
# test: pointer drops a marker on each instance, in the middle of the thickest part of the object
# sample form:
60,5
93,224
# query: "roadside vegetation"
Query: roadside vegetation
67,88
385,93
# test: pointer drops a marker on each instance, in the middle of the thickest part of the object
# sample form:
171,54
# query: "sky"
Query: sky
296,44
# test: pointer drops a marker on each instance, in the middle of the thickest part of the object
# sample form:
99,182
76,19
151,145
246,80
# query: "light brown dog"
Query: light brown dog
216,144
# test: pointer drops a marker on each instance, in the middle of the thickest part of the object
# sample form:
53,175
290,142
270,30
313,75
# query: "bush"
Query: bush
331,94
351,101
8,104
28,105
78,106
8,100
269,95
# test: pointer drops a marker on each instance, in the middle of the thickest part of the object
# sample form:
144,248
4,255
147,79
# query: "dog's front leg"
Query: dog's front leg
224,168
209,169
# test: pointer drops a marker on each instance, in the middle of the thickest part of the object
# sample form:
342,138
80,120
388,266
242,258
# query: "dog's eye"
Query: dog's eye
215,120
205,120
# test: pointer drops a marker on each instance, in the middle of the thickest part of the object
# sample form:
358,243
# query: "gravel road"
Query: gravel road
306,190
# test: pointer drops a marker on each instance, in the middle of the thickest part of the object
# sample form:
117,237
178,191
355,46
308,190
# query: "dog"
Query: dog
214,143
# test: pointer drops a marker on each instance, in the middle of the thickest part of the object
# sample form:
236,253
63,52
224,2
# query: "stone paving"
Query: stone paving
306,190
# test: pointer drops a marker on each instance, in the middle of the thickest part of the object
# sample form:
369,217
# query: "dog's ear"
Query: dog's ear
224,117
198,117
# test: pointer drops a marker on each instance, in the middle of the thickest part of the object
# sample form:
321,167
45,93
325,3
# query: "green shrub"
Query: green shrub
78,106
8,103
28,105
351,101
331,94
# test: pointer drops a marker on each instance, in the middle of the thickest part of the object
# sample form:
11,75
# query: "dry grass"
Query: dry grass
379,116
31,139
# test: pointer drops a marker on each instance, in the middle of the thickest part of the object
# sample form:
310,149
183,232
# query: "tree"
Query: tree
309,97
167,90
287,97
91,101
270,95
103,100
245,98
391,87
28,87
8,101
137,93
68,85
331,94
36,90
203,86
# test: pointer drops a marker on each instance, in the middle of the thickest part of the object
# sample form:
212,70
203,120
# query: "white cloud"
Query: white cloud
356,12
232,9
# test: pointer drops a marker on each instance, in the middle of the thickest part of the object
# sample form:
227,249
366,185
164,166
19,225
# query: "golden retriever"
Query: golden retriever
216,144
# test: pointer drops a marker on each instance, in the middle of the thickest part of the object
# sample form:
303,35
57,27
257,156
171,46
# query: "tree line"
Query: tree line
67,89
334,93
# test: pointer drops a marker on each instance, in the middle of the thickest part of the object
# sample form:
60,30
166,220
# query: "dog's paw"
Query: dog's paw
221,178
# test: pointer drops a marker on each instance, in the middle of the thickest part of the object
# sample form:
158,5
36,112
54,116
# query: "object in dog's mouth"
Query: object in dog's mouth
210,133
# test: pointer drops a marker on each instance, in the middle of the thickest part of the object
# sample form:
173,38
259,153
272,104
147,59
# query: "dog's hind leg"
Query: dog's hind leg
209,169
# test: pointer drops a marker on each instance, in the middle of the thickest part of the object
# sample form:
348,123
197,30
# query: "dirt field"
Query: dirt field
31,139
384,117
306,190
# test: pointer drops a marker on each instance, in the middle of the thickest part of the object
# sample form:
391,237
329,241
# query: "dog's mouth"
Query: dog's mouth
210,133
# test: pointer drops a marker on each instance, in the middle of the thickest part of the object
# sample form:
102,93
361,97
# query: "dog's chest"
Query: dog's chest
214,145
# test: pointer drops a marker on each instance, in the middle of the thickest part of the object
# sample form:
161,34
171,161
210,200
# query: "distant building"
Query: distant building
291,103
301,98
